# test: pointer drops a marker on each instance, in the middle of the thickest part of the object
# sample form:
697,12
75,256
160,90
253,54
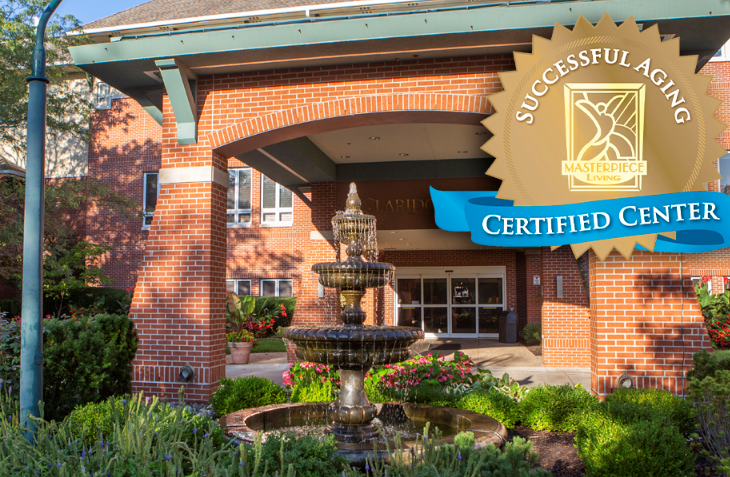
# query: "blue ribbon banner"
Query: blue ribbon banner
701,220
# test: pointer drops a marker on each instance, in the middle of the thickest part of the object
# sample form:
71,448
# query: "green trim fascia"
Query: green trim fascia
177,78
493,18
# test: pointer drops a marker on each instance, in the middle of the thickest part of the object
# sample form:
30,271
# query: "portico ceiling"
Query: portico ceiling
402,142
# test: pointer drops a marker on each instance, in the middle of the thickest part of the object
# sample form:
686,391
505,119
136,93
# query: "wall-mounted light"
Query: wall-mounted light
187,374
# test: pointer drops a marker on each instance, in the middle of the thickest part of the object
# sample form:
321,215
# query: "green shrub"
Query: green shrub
106,299
611,447
711,398
10,352
532,333
312,456
707,364
493,404
274,303
242,393
457,460
90,421
556,408
85,360
314,392
652,404
146,442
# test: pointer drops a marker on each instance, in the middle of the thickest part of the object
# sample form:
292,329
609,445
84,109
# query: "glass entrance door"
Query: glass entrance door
450,305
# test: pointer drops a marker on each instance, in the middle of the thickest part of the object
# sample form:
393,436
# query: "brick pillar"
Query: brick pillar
565,320
179,302
645,319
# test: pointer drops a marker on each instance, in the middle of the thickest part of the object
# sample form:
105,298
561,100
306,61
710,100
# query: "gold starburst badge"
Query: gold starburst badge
602,112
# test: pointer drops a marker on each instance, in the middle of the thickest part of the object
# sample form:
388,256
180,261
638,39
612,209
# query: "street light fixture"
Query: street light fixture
31,353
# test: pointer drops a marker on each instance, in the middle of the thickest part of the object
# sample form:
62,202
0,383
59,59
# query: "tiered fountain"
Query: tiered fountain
353,348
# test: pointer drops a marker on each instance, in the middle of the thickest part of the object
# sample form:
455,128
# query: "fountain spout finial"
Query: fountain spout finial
353,203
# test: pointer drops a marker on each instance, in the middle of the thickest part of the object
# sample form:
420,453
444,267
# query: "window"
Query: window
239,197
696,280
723,54
724,166
450,304
239,287
277,287
276,204
149,197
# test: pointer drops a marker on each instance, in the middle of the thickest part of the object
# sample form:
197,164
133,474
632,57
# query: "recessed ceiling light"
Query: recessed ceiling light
481,133
394,232
408,244
403,154
401,239
345,157
463,152
374,138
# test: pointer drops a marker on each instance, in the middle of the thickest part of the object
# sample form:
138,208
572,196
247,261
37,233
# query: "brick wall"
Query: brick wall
125,145
565,320
645,320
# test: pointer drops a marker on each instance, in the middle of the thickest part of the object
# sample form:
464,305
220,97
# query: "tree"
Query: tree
68,109
69,261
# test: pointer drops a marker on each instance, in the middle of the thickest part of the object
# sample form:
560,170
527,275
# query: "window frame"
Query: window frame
237,211
236,282
146,226
277,210
277,281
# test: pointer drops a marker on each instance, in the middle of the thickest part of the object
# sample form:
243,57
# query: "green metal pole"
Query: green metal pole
31,354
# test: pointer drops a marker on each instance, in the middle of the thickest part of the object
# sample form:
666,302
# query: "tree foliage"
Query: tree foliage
68,109
69,261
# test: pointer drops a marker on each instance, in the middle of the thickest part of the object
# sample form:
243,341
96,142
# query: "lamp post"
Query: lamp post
31,354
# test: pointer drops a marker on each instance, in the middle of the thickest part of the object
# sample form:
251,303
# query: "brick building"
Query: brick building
245,122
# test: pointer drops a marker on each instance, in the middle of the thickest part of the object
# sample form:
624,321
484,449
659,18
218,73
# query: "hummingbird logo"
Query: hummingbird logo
604,130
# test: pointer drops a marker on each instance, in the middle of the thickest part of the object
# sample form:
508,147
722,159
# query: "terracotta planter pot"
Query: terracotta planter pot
229,360
240,352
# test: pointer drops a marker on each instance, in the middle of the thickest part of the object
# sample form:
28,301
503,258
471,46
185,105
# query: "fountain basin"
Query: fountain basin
346,346
311,418
353,274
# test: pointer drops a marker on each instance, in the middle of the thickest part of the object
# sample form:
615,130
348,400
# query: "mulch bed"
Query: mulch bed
557,453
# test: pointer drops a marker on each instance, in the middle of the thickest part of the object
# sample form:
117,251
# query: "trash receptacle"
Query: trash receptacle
508,327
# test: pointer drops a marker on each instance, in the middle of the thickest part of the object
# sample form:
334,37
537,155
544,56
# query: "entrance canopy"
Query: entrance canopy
171,46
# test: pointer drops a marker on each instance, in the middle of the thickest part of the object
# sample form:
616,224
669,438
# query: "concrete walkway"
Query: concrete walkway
500,358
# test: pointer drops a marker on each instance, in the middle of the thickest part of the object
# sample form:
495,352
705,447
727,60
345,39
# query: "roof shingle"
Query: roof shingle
168,10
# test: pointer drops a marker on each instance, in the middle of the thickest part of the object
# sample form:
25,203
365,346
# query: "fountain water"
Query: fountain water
353,348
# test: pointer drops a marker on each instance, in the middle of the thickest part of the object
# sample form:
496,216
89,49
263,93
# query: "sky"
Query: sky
89,10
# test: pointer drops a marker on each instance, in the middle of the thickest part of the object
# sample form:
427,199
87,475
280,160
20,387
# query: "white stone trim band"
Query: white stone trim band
182,175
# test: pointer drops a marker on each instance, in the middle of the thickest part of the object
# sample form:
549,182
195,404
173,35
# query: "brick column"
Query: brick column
179,302
645,320
565,320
